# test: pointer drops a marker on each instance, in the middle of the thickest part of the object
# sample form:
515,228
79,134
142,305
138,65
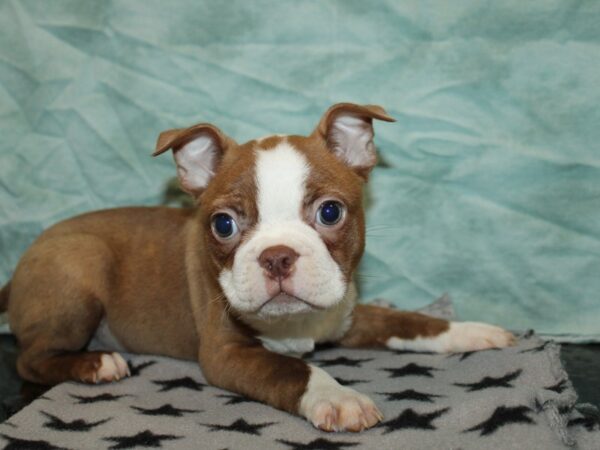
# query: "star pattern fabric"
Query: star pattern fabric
343,361
105,397
410,394
485,400
413,419
234,399
28,444
503,416
487,382
177,383
239,426
144,438
409,370
136,369
55,423
165,410
319,444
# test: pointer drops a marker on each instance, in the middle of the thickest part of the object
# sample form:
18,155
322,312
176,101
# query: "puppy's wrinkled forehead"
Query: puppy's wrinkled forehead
274,178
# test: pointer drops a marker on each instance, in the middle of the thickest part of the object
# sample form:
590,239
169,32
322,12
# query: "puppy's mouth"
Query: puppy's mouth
284,298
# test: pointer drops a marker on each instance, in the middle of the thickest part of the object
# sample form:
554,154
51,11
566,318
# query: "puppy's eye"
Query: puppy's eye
329,213
224,226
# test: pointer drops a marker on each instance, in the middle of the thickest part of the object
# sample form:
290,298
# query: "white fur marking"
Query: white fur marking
280,177
294,334
333,407
460,337
289,346
112,368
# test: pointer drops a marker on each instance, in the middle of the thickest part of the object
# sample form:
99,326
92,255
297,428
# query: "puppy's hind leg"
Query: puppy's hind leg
55,309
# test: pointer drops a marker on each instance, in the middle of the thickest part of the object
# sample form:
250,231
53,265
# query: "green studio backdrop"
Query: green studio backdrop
489,186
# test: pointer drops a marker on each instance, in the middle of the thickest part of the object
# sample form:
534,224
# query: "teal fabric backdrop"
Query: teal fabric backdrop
490,183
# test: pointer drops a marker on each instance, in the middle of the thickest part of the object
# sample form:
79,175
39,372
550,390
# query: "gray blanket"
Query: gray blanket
516,398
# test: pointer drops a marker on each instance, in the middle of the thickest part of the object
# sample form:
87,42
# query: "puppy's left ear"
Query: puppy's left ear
348,132
197,150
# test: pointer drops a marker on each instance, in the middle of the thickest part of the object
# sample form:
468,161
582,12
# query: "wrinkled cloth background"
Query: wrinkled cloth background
489,186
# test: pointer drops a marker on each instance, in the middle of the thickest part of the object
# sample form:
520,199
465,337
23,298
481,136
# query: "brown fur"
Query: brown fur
4,294
372,326
152,273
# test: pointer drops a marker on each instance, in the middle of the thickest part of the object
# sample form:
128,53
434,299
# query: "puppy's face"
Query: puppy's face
283,220
284,225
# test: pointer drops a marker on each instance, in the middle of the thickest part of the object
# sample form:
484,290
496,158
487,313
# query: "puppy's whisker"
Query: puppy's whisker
217,298
368,275
383,227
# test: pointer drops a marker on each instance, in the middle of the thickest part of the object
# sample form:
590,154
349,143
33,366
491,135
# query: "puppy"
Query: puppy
262,269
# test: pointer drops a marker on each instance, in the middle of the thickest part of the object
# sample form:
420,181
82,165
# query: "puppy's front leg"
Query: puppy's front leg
374,326
289,384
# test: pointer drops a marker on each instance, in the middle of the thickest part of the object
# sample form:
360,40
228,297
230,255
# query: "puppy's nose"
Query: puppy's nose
278,261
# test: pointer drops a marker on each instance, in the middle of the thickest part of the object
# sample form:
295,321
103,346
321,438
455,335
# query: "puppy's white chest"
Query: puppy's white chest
289,346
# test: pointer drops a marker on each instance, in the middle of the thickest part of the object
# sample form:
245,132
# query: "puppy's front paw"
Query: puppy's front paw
332,407
100,367
471,336
112,368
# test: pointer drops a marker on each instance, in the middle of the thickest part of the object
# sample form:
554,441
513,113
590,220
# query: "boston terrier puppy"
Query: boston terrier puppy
255,275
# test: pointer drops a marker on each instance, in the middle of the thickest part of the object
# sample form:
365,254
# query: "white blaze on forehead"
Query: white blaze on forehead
281,175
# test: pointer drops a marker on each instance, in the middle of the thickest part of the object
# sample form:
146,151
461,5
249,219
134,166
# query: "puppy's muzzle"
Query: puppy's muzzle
278,261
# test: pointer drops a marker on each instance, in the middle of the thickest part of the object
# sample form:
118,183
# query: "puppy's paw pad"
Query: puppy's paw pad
343,410
472,336
112,368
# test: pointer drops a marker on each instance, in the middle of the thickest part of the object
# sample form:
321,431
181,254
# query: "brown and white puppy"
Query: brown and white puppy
261,268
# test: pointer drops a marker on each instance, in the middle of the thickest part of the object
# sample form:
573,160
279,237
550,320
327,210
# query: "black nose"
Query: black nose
278,261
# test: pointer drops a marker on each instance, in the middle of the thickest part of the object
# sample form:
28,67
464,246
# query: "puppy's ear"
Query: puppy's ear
197,150
348,132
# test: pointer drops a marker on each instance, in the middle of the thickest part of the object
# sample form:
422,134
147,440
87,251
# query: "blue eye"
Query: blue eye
330,213
224,225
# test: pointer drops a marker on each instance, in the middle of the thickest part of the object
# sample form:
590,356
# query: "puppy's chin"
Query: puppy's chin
281,307
284,305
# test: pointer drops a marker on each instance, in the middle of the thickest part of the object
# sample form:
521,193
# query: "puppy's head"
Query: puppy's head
283,219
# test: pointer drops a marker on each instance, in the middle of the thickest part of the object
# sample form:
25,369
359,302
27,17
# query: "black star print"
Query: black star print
558,387
165,410
503,416
589,422
410,394
97,398
536,349
56,423
185,382
240,426
20,444
411,352
318,444
235,399
411,369
143,439
466,355
136,370
412,419
491,382
343,361
346,382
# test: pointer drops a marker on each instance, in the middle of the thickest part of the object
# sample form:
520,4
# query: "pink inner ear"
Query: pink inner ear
352,140
196,162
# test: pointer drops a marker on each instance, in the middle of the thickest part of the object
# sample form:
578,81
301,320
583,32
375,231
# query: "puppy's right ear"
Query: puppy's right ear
197,150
